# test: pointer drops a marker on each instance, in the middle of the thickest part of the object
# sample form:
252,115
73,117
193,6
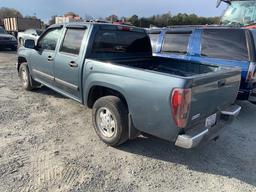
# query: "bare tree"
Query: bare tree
9,12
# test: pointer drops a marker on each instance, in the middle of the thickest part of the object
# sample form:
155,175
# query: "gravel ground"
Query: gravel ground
47,143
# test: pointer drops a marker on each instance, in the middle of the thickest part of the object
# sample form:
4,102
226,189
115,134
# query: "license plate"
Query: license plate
211,120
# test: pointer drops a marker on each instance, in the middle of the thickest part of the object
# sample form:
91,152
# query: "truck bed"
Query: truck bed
169,66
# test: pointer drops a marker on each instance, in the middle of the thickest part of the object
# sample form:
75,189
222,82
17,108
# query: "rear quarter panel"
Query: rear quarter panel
147,94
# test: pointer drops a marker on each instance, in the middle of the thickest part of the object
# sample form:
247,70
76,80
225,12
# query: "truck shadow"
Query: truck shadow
232,156
48,92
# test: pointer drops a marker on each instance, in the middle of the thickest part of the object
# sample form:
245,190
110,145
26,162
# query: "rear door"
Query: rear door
69,61
42,58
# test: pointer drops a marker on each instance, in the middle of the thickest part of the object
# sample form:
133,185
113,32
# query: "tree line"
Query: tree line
166,20
162,20
10,12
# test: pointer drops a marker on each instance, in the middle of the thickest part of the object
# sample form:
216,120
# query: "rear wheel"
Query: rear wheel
14,48
110,120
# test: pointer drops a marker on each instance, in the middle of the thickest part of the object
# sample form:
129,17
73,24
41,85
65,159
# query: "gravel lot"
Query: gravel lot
47,143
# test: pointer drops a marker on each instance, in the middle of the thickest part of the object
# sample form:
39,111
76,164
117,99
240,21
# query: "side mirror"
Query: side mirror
225,1
218,3
30,44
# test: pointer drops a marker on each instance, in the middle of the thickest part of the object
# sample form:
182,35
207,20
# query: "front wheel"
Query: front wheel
25,77
110,120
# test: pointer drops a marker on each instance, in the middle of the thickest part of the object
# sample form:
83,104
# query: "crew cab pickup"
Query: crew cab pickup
222,46
110,68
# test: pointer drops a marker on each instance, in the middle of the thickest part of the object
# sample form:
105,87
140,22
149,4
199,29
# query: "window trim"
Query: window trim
63,39
190,32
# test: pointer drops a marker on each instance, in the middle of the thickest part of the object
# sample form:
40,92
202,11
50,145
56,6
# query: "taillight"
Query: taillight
180,104
251,72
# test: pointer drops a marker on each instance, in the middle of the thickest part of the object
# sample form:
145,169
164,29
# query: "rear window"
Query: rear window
224,44
114,41
72,41
154,38
176,42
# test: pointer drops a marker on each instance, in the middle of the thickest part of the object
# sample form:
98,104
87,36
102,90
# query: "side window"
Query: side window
49,40
224,44
176,42
72,41
254,40
153,39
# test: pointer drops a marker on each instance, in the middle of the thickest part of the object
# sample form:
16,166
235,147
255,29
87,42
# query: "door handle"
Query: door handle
73,64
50,58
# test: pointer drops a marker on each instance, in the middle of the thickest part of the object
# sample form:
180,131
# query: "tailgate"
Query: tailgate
212,92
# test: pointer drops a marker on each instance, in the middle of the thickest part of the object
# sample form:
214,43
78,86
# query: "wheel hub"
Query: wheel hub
106,122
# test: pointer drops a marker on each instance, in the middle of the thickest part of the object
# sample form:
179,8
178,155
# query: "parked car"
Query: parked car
110,68
7,41
29,34
232,47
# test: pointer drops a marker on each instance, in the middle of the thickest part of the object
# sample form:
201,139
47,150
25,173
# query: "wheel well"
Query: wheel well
97,92
20,61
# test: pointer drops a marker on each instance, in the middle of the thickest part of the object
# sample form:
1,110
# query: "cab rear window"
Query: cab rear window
118,41
224,44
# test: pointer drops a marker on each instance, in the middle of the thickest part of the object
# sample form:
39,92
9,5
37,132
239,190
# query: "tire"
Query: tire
25,77
14,48
110,120
253,102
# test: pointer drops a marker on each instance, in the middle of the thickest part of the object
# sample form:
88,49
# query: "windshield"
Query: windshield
240,13
2,31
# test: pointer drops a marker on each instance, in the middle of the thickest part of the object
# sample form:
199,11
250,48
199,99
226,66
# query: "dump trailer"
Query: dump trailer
15,24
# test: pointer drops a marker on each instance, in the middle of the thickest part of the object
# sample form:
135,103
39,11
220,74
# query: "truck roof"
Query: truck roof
84,24
192,27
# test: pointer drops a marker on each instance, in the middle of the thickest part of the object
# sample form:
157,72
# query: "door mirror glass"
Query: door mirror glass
29,43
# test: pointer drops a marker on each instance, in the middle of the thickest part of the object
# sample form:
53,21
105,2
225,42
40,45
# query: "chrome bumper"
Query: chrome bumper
192,140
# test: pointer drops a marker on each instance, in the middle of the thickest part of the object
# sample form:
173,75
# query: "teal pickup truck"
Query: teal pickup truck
110,68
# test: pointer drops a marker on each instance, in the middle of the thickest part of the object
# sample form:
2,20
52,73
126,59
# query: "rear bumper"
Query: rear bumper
196,136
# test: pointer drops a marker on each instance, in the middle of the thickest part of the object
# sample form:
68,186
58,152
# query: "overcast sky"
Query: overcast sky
44,9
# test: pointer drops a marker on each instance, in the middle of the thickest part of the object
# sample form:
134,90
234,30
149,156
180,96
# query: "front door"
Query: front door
42,58
69,61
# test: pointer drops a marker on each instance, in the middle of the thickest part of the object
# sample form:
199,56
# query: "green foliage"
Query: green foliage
9,12
167,20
